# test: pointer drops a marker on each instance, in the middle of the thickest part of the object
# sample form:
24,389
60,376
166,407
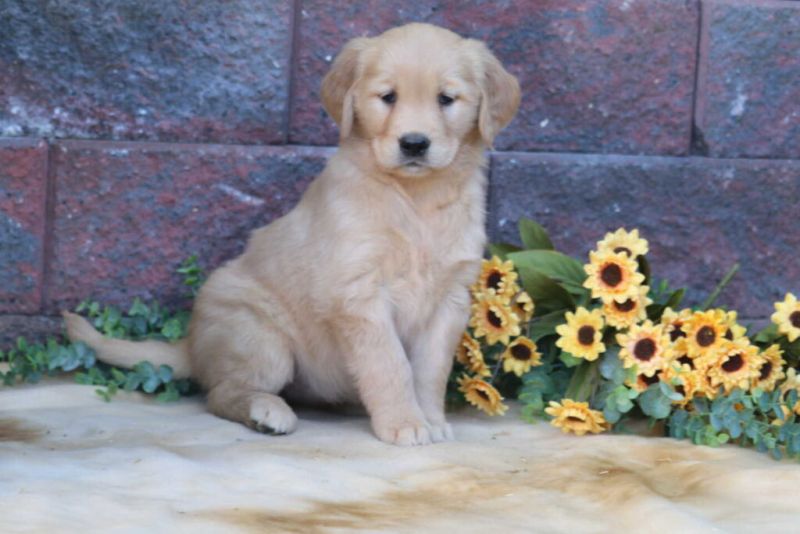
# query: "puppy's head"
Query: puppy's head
417,94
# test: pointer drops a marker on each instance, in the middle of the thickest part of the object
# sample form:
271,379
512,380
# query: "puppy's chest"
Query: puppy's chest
426,261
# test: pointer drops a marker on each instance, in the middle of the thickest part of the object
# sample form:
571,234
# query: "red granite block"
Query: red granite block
127,214
23,190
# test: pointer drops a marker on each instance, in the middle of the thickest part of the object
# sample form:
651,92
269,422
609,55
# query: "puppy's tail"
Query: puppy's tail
128,353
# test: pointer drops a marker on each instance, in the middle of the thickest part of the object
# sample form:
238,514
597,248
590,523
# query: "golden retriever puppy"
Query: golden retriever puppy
360,293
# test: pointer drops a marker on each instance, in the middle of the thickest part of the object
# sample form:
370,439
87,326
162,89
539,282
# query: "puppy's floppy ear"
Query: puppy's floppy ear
499,92
337,86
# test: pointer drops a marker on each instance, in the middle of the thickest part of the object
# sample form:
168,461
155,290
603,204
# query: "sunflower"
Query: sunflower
680,353
612,276
684,381
705,332
493,317
520,356
673,322
771,371
482,395
735,330
469,354
523,306
646,346
737,365
626,314
623,241
642,381
787,317
792,382
576,417
497,278
582,335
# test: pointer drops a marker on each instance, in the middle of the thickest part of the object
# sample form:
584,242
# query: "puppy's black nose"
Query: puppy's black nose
414,144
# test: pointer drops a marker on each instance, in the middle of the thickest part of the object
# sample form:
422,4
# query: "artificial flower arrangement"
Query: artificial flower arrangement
590,347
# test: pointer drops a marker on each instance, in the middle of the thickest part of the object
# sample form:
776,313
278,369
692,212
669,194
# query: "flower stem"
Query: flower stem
717,290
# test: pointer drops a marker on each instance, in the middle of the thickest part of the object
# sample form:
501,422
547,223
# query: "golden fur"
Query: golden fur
360,292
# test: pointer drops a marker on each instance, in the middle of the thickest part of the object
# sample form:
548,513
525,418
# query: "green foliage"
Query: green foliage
753,419
30,362
765,421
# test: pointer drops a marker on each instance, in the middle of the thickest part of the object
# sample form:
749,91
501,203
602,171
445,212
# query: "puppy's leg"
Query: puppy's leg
376,358
259,410
431,356
244,363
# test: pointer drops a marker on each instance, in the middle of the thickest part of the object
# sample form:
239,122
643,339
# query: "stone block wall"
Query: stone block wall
136,132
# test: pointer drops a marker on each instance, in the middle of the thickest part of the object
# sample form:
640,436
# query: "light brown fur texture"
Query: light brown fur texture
360,293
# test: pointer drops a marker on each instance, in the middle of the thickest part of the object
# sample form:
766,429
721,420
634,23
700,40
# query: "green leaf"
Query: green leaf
670,393
767,335
611,367
570,360
545,325
502,250
533,235
559,267
547,295
675,299
654,403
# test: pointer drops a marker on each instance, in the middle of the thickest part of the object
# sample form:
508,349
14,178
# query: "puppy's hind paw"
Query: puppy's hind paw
271,415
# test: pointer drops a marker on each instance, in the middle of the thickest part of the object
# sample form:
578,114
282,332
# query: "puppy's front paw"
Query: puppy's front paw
404,434
441,432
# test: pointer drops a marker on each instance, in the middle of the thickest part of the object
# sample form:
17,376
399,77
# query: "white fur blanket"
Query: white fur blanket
70,462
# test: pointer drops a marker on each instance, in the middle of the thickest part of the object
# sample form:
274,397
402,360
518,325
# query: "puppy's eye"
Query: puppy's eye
445,100
390,97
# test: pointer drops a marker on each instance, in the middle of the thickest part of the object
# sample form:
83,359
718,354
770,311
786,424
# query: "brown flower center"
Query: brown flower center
733,363
521,352
729,334
706,336
626,250
586,335
686,360
482,394
611,275
626,306
676,331
573,419
493,280
494,319
644,349
794,318
649,380
765,370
